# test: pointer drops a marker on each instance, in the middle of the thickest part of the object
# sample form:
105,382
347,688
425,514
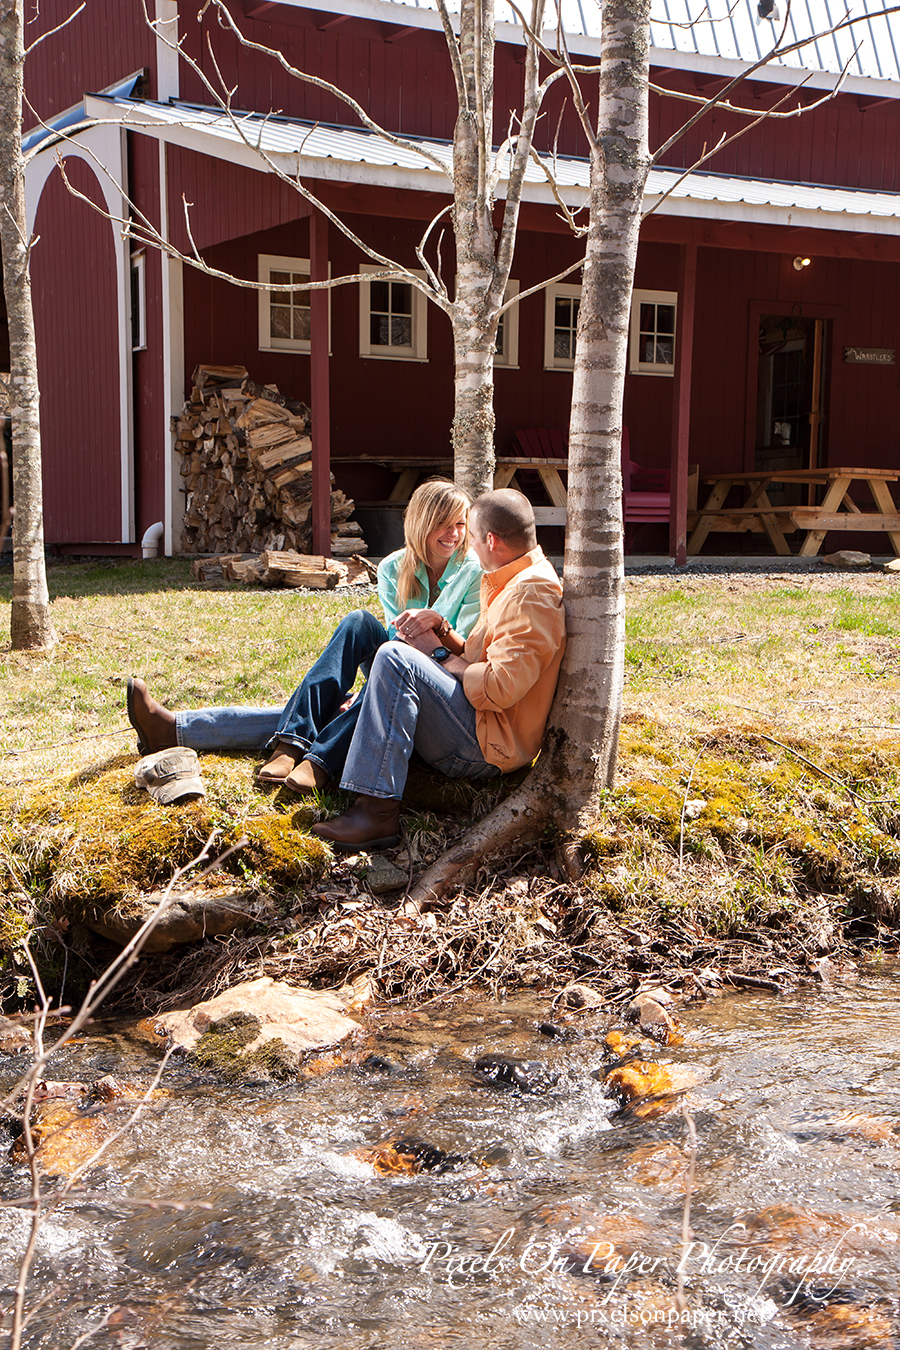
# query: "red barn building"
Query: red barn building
743,357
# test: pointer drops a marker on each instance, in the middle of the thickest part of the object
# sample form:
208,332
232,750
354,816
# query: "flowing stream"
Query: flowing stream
539,1217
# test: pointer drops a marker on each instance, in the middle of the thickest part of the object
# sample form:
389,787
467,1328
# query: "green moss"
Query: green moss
280,851
222,1049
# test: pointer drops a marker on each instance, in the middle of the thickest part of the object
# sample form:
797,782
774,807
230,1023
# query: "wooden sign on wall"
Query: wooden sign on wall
869,356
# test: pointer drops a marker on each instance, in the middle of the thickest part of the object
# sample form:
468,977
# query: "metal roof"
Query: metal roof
348,154
710,35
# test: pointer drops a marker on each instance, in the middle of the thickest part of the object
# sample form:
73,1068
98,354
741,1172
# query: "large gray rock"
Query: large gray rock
190,916
266,1010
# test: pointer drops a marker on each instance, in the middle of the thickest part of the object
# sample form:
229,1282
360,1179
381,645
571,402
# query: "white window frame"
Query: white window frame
139,292
635,365
563,290
507,356
268,263
418,350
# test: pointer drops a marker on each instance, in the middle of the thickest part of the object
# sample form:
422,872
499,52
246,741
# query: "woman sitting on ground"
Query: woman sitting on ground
432,583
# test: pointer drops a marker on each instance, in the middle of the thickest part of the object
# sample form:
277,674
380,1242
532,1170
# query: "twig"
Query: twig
680,1301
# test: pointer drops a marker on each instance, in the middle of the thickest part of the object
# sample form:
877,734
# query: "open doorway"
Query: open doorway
790,397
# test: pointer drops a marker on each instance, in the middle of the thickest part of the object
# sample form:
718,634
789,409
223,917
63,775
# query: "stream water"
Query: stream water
520,1235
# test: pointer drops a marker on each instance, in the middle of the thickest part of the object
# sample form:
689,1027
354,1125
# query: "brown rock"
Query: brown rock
650,1089
880,1129
655,1021
847,557
663,1165
65,1137
207,911
301,1019
14,1038
580,997
846,1326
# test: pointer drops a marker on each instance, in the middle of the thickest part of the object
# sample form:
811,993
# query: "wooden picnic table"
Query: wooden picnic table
408,471
837,510
548,471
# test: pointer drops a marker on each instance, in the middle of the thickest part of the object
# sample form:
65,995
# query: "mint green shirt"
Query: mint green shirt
459,591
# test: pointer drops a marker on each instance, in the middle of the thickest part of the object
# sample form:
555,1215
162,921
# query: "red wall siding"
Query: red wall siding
78,363
225,200
105,42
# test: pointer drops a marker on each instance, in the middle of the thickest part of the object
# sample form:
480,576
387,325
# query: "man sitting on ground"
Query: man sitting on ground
470,716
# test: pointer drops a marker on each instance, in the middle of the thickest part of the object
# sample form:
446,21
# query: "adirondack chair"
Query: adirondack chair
646,498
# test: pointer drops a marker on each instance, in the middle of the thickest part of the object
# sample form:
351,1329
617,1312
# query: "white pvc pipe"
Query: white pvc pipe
150,541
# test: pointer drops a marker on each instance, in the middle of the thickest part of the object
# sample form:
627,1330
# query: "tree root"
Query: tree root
518,819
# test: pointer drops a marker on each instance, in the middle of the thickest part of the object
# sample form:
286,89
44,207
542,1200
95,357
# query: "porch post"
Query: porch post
319,392
681,401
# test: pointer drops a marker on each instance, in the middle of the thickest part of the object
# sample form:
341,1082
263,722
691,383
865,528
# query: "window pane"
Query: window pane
301,324
665,318
300,279
562,312
379,330
281,297
280,278
647,349
498,345
665,352
379,297
562,344
401,297
648,316
401,332
281,322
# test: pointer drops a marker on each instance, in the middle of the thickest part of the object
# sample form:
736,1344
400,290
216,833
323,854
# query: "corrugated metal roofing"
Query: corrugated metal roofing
319,151
707,33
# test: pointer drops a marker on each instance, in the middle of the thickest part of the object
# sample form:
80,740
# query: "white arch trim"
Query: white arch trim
104,151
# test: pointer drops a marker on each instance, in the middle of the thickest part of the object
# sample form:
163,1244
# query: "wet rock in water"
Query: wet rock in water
408,1157
580,997
526,1075
14,1038
844,1325
557,1032
647,1089
665,1165
804,1231
66,1139
190,916
655,1021
620,1047
877,1129
109,1089
260,1025
599,1244
378,1064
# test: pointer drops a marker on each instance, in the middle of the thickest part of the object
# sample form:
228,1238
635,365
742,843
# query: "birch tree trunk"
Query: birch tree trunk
31,627
581,744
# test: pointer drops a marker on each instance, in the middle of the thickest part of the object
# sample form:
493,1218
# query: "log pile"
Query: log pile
284,568
247,466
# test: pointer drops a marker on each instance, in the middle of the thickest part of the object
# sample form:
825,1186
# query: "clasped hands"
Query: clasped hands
419,628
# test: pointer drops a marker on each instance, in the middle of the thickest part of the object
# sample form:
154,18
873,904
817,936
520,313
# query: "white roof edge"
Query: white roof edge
398,14
705,196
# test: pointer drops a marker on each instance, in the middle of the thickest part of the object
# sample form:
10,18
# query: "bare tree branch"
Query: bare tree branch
59,27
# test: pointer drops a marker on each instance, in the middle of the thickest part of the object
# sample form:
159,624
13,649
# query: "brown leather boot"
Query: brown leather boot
284,758
307,778
154,724
372,823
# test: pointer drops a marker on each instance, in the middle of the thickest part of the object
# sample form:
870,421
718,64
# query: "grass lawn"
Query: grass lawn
758,778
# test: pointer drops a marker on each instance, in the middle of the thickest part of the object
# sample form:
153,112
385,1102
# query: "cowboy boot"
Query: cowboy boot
282,761
154,724
371,823
306,778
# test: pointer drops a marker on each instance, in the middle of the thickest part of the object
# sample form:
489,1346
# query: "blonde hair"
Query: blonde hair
436,502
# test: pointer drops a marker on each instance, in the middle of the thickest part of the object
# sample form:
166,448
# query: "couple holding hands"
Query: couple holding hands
463,671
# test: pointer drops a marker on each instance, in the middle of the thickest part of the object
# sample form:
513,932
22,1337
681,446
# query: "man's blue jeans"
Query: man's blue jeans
312,719
411,703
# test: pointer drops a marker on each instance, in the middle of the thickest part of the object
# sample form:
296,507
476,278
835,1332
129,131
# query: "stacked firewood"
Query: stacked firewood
247,467
284,568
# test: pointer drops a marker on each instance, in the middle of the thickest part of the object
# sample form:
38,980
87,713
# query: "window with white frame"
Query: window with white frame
393,318
283,314
561,305
506,348
652,342
138,302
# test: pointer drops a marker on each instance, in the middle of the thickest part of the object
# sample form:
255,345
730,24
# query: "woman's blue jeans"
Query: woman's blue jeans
312,719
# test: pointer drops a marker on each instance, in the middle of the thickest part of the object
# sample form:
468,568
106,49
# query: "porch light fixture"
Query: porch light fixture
800,263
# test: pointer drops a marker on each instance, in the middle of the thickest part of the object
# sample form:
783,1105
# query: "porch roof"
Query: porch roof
346,154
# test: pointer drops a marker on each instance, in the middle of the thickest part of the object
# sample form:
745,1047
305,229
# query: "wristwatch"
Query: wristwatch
441,654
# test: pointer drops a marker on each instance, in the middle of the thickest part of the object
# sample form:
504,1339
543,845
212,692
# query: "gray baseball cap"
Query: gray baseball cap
169,775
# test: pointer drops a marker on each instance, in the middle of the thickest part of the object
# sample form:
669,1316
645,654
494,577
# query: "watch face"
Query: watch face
441,653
